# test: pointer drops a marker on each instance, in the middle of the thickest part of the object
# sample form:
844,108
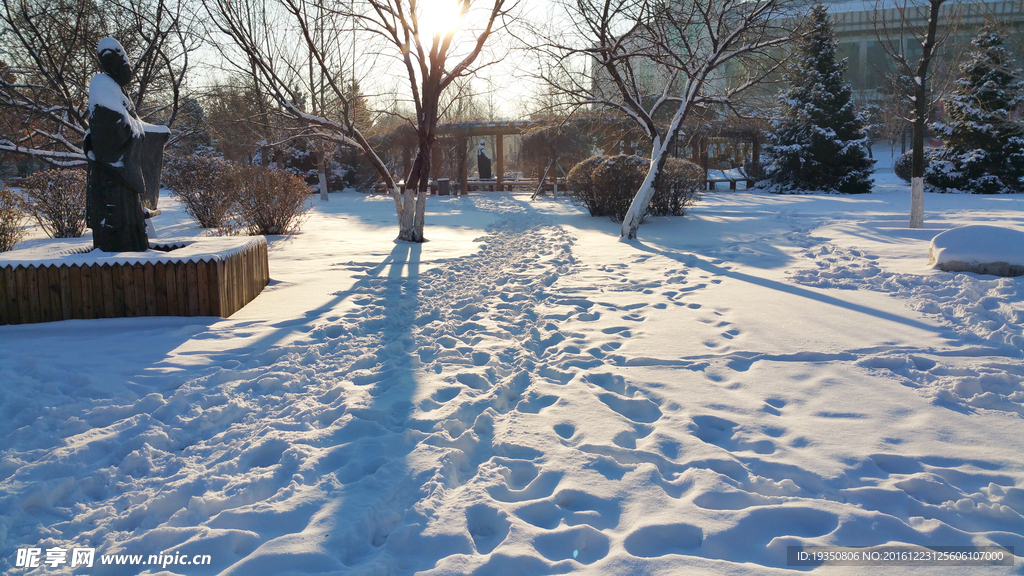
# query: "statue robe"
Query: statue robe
125,159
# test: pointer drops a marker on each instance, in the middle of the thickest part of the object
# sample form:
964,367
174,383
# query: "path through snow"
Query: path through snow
554,401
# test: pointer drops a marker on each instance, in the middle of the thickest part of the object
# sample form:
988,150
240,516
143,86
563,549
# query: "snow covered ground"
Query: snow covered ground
525,394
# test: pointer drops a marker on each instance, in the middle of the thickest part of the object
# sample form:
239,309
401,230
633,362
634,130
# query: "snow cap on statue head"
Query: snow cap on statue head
114,61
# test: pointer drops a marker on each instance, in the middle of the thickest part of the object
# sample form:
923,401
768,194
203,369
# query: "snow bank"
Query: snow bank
979,248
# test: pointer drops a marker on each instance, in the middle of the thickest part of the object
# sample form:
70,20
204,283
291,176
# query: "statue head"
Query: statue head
114,61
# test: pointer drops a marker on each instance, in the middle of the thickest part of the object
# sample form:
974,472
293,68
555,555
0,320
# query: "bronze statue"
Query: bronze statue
125,157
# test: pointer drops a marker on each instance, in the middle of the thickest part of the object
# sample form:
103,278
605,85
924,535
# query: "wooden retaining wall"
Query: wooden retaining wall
216,285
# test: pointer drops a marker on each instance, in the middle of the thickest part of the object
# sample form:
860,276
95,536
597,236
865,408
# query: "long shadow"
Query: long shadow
695,230
694,261
364,460
403,253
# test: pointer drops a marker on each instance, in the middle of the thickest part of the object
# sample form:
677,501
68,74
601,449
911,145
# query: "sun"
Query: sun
439,17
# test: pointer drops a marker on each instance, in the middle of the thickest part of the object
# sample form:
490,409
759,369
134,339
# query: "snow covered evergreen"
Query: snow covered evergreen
982,148
819,141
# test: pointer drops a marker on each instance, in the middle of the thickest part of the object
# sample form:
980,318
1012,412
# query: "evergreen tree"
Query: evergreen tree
191,131
819,142
982,148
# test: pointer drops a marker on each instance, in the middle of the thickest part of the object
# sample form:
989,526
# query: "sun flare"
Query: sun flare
439,17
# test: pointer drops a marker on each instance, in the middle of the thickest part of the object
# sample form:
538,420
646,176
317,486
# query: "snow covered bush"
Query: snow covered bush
753,170
580,183
605,186
905,164
679,186
57,200
270,201
206,186
982,148
12,215
818,142
615,182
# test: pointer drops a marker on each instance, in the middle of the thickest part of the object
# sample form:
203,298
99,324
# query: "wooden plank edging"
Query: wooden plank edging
219,285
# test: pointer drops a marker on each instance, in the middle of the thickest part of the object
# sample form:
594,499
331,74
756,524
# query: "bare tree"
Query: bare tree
914,23
430,59
323,26
261,43
425,56
660,61
49,47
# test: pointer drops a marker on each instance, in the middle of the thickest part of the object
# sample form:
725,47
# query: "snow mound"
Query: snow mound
978,248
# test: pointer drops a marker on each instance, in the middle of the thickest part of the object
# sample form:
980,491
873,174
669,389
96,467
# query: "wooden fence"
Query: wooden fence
216,285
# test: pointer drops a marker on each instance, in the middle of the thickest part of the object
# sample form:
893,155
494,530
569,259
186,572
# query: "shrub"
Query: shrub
580,184
57,200
270,201
905,164
615,183
345,166
207,187
606,186
679,186
12,215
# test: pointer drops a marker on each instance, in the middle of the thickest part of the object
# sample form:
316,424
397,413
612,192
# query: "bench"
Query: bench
715,177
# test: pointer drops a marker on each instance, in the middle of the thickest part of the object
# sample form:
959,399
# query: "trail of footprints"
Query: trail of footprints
499,339
569,525
565,524
505,345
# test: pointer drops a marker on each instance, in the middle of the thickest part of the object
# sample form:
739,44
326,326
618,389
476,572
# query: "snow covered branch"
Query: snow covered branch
637,56
51,48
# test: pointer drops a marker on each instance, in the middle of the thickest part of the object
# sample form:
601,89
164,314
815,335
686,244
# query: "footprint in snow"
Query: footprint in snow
662,540
634,409
541,487
628,438
582,544
720,432
488,526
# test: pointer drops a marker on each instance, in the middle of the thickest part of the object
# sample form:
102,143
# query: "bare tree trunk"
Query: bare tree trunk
635,214
920,118
917,159
421,212
891,39
543,179
407,214
417,188
321,158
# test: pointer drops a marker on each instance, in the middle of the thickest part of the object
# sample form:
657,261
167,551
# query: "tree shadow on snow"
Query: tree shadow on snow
696,262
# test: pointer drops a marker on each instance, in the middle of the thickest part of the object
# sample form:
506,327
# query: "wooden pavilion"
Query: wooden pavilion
715,145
